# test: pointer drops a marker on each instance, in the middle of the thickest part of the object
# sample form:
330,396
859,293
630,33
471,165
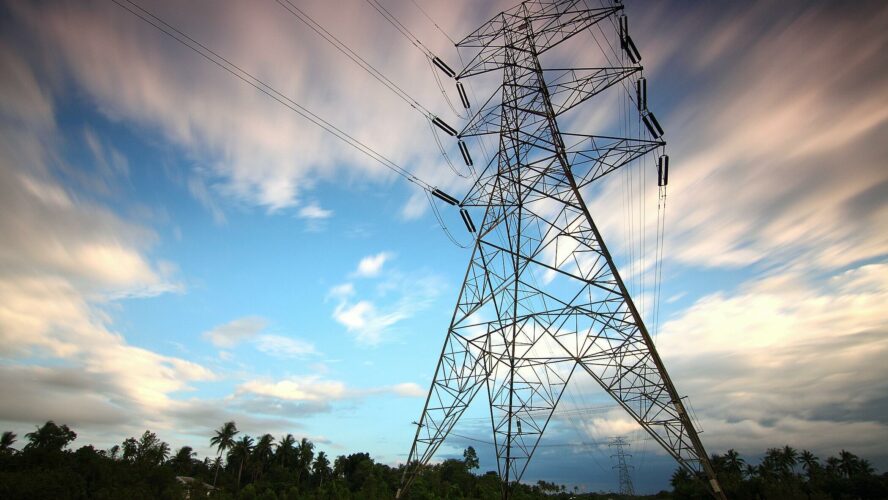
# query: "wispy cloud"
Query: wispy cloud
371,265
314,388
198,188
284,347
313,211
252,330
235,331
255,150
396,298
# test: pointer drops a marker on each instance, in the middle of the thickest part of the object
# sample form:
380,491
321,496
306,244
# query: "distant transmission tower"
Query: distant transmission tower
622,467
542,297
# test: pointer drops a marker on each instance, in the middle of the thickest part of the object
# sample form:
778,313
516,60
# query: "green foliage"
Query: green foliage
50,438
6,442
86,473
470,458
786,473
257,469
287,469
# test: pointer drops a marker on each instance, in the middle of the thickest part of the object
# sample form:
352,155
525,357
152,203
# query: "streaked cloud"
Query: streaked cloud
787,358
775,153
252,330
236,331
775,118
314,388
284,347
63,261
253,150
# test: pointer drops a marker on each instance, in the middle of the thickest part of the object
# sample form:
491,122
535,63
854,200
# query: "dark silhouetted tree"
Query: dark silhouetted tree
50,437
223,440
240,453
470,458
6,442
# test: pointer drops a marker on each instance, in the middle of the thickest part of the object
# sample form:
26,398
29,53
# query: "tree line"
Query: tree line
787,473
269,468
243,467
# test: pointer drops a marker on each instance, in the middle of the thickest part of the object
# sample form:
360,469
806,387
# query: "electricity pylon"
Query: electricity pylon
622,466
542,298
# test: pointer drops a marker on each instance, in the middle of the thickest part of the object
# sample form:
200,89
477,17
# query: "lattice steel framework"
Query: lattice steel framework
622,466
542,298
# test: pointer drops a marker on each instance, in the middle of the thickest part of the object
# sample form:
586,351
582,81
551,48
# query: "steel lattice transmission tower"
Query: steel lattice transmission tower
622,466
542,298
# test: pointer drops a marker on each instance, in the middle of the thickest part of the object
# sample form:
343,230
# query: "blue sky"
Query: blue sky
179,250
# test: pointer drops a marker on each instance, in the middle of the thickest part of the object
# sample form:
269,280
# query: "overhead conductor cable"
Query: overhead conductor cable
266,89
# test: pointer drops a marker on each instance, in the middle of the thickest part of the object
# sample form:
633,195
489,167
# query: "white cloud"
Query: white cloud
284,347
309,388
84,242
372,323
342,291
785,360
256,151
363,319
765,170
198,189
314,388
408,389
62,262
236,331
314,211
371,265
250,329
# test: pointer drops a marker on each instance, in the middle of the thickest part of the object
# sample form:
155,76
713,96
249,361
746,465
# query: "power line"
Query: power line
351,54
426,14
433,121
401,28
267,89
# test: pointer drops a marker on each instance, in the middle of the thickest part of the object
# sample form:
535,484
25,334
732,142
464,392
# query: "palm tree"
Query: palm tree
262,454
285,449
241,452
864,467
773,463
321,467
223,440
304,456
6,442
680,478
752,470
833,466
809,462
848,463
161,452
733,462
217,462
788,458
